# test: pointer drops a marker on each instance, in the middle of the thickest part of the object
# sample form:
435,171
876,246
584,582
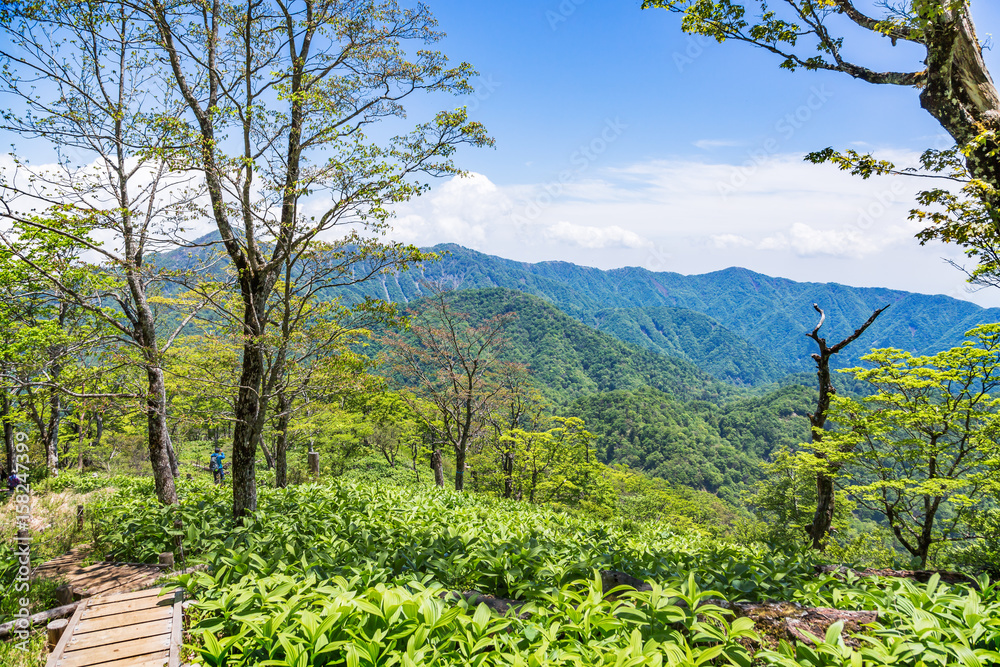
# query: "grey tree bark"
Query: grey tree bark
437,465
825,497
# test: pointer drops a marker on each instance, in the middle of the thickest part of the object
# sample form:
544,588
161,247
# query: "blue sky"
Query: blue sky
622,141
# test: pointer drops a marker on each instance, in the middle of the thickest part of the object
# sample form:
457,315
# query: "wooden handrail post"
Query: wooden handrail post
55,630
179,540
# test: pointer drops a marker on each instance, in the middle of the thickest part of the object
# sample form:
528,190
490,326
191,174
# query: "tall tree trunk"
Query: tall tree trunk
98,430
460,467
823,517
247,409
437,465
508,473
161,451
55,398
171,454
926,538
52,431
268,458
255,279
156,425
281,442
268,384
462,446
82,441
257,428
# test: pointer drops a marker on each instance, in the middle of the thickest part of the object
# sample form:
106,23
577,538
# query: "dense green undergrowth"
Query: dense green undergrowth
361,573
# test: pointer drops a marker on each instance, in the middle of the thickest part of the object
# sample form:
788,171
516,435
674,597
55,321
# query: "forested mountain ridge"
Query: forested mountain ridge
568,359
740,326
715,447
648,410
686,333
768,313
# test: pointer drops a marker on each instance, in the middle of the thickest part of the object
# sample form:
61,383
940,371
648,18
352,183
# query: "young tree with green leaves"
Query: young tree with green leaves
518,406
453,367
308,352
558,465
922,450
392,428
82,77
278,97
50,341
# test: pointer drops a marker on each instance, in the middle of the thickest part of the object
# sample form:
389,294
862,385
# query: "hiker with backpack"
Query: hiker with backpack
13,481
215,463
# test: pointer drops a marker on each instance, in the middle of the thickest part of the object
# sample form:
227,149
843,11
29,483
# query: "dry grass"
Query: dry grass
52,523
53,531
30,653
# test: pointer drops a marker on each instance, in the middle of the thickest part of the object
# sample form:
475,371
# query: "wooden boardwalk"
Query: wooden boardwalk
140,629
99,578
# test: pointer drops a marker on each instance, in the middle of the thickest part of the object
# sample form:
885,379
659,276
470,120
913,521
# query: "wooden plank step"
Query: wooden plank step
144,661
141,629
110,622
157,659
110,575
142,580
109,587
126,607
121,597
133,631
96,567
114,652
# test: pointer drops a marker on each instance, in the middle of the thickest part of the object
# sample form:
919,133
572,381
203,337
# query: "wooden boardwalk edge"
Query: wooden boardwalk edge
175,631
105,643
67,634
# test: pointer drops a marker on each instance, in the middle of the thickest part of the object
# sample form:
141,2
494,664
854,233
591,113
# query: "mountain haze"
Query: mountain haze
739,325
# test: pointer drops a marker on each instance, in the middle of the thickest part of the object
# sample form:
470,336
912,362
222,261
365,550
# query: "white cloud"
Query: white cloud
807,241
460,210
730,240
594,237
774,214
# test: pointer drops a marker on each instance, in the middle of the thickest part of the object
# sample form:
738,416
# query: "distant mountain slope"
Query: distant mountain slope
741,326
651,411
568,359
682,332
704,446
771,314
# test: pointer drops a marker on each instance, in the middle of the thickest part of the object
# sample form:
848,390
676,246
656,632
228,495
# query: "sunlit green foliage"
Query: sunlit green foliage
922,450
697,444
362,574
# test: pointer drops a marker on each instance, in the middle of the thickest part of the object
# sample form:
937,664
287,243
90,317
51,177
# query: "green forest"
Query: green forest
344,449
